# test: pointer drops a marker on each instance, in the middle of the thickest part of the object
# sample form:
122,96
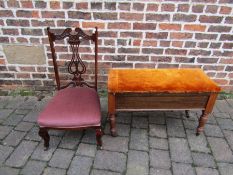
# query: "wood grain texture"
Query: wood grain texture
163,101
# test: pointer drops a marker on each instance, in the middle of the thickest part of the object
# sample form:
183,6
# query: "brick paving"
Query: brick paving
153,143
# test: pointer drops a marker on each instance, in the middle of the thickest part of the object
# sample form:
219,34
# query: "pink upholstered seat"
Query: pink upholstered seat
72,108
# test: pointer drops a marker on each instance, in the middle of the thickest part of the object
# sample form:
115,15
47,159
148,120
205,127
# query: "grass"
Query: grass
101,92
225,95
21,92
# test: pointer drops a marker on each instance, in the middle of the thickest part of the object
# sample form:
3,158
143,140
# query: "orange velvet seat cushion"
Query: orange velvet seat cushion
160,80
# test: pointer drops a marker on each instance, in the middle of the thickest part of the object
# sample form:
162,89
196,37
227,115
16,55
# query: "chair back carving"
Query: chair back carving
76,66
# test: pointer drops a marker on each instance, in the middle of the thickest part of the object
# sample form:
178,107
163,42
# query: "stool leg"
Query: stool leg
187,113
112,118
202,120
112,113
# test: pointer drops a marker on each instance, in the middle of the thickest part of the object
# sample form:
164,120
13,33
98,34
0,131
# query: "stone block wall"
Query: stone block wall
132,34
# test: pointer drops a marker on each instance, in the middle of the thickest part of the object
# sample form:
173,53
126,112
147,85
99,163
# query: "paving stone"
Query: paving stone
160,159
33,134
138,163
197,143
213,131
4,131
222,115
14,138
174,114
175,128
29,103
32,115
179,150
140,122
104,117
230,102
21,154
189,124
15,102
4,113
223,106
182,169
225,123
113,161
140,114
103,172
24,126
40,154
33,168
61,158
58,133
157,118
80,165
9,171
203,159
225,168
215,109
122,129
156,171
199,113
89,136
193,116
158,143
231,116
54,171
71,139
229,137
158,131
13,119
206,171
139,139
220,149
119,144
124,117
4,100
22,111
211,119
104,103
5,151
86,150
41,104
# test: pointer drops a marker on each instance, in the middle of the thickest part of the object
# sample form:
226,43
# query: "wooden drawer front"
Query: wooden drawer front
163,101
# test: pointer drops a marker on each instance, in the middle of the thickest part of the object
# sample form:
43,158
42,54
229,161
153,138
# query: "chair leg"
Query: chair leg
99,134
43,133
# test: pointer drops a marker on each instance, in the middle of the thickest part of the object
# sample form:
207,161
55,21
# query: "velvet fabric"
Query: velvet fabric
160,80
72,108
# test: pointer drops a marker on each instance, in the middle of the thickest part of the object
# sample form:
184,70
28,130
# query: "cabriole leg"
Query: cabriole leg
99,134
43,133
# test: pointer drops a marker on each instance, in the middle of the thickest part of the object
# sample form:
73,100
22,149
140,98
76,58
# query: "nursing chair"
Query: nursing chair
76,104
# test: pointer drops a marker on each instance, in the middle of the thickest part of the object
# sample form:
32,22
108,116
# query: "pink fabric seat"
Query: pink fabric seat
72,108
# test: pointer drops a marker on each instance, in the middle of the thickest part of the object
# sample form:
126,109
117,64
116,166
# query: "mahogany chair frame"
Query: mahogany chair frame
74,39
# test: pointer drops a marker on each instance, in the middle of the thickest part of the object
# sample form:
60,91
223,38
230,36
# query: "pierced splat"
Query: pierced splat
76,67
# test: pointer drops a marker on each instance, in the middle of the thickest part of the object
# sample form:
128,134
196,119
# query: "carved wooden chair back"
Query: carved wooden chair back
76,66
